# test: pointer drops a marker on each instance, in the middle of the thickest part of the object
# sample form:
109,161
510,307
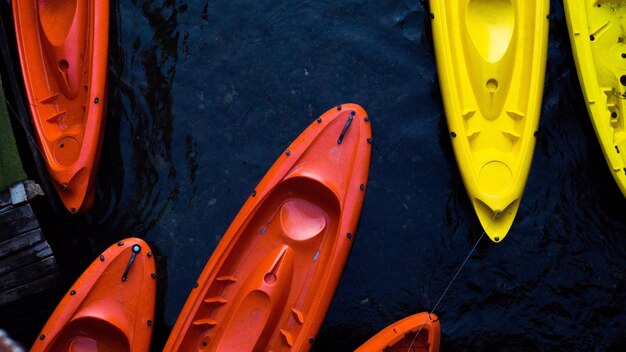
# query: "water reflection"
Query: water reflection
139,168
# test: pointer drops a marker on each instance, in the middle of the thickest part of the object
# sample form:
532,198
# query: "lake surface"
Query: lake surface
204,96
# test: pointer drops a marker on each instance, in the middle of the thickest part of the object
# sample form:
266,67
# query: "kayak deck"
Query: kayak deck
289,232
596,31
401,335
270,281
491,58
63,53
110,307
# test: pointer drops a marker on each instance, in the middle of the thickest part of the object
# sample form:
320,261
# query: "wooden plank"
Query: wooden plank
20,242
33,287
17,221
25,257
27,274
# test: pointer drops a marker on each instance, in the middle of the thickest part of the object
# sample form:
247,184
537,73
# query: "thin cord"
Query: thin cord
495,215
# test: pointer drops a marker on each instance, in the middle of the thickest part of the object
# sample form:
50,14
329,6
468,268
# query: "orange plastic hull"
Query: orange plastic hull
63,52
400,336
101,311
271,278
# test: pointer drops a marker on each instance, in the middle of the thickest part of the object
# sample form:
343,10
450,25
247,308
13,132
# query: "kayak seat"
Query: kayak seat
64,27
89,334
300,210
490,25
301,219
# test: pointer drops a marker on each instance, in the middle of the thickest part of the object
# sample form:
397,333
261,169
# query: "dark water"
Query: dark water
204,96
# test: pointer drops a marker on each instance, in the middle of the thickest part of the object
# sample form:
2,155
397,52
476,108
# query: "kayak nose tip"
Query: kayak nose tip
358,109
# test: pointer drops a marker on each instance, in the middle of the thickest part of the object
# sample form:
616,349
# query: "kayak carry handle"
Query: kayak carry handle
345,128
136,249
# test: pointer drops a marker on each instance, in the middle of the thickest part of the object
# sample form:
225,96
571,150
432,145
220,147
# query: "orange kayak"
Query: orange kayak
400,336
63,52
271,278
110,308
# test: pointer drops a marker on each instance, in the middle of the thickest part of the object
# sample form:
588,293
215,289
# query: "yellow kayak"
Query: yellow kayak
491,58
596,30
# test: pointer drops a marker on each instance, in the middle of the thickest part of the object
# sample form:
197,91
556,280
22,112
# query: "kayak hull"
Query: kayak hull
491,58
271,278
401,335
63,54
596,34
105,310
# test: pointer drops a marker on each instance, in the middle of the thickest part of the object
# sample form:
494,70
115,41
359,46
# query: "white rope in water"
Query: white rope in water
495,215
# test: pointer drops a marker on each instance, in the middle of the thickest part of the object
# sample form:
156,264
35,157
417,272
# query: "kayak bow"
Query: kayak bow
400,336
63,53
110,308
271,278
491,58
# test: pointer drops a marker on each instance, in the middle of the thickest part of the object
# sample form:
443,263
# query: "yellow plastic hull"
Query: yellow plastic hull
596,30
491,57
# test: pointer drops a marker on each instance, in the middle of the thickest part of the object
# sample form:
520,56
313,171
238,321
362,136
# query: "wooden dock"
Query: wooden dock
29,275
27,265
